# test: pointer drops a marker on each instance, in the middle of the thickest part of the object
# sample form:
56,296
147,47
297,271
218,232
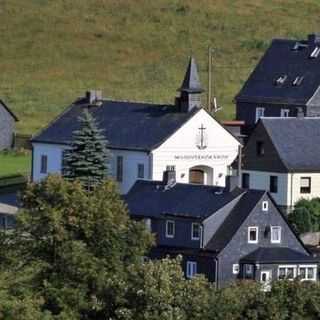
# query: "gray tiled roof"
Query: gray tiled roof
281,59
234,220
297,141
277,255
151,199
126,125
191,82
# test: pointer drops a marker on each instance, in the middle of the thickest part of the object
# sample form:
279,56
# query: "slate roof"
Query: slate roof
9,110
277,255
234,220
288,58
151,199
297,141
126,125
191,82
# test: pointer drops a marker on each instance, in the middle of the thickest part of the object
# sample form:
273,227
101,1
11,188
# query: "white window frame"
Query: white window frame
265,205
288,266
235,268
273,228
259,111
192,228
306,266
285,113
167,229
191,269
257,234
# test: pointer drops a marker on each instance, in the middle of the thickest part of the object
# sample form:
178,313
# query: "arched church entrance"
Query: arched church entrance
201,175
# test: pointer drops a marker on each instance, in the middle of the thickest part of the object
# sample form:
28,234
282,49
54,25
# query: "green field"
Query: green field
11,164
53,50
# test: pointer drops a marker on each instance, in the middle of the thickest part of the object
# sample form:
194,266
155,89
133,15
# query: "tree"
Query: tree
73,247
87,159
306,215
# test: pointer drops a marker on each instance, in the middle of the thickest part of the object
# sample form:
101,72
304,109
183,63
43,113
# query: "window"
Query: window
140,171
4,224
297,81
191,269
273,184
305,185
248,271
196,231
285,113
245,181
275,234
314,54
280,80
287,272
260,148
265,205
308,272
44,164
235,268
119,168
148,224
259,113
253,234
170,229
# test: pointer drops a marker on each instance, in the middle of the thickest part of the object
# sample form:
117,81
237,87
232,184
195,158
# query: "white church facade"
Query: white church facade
146,139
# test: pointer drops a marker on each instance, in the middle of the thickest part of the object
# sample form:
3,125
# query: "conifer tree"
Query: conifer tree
87,159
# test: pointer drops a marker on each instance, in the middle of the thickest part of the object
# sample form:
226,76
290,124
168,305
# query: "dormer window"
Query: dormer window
314,54
297,81
281,80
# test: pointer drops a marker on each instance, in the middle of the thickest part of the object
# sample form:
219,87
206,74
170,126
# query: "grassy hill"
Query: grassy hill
51,51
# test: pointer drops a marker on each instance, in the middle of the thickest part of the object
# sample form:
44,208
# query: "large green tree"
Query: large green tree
72,247
87,159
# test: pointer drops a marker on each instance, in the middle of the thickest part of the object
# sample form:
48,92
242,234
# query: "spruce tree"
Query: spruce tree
87,159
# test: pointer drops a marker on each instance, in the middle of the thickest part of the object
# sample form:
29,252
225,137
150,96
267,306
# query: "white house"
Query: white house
282,155
146,139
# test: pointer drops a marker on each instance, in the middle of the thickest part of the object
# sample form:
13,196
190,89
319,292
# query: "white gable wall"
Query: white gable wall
181,150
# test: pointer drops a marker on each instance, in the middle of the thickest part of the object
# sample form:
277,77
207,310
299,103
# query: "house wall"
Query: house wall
246,111
239,247
260,180
181,151
288,186
7,126
131,159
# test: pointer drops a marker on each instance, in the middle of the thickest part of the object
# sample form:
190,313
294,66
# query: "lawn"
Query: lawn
53,50
11,164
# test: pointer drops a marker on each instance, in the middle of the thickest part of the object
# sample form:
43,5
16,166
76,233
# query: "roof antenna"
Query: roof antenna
211,106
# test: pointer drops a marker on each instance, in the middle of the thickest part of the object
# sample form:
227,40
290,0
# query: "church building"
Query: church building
146,139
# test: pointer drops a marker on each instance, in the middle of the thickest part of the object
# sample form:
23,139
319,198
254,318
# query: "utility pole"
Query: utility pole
211,106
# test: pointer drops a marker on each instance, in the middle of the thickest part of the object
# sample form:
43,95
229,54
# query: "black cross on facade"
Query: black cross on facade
202,145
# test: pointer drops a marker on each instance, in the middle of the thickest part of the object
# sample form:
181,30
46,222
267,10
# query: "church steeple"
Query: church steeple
191,88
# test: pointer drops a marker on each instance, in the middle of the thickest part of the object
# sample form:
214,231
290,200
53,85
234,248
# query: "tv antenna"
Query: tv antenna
212,106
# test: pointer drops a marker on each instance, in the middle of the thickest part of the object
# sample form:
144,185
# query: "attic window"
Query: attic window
281,80
298,46
297,81
314,54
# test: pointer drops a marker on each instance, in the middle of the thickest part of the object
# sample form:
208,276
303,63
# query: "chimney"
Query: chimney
300,113
94,97
314,39
169,175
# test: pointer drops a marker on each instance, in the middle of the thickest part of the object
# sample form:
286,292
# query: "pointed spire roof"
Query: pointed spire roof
191,82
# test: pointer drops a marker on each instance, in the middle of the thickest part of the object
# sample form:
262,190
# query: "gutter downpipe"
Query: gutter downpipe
291,193
216,271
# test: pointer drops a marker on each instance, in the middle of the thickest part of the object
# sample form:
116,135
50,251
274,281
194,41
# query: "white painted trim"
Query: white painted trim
286,266
174,229
265,205
257,234
235,268
313,266
275,241
191,269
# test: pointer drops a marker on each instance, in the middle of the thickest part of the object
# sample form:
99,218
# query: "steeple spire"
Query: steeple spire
190,90
191,82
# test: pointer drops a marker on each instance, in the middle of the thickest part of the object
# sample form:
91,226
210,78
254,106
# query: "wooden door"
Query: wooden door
196,176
